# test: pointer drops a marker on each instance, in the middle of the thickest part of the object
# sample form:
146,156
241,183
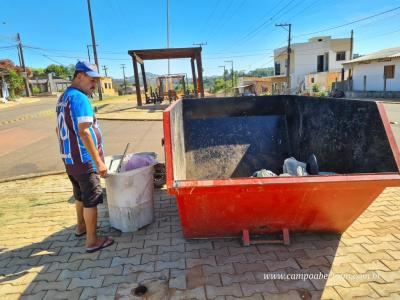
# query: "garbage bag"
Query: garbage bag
264,173
294,167
137,160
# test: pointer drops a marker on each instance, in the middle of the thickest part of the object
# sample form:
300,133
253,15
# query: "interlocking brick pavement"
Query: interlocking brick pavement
40,258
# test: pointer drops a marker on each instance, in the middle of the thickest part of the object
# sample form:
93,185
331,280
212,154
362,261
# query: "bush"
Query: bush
315,88
35,90
16,84
322,94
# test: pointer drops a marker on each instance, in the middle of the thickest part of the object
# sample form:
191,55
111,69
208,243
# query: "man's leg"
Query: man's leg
92,196
80,227
90,216
80,221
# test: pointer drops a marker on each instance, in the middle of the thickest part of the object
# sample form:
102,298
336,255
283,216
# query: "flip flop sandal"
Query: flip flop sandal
80,234
106,243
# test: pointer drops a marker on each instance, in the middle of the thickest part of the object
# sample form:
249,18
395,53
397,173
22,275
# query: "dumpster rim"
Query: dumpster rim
178,184
389,133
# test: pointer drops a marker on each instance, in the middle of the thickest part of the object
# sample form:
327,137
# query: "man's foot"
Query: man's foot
80,234
101,244
80,231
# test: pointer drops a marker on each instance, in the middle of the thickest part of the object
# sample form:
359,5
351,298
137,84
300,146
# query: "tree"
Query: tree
219,84
59,71
261,72
38,72
16,83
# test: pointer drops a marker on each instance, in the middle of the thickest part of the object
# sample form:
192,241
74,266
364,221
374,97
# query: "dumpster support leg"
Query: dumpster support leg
247,241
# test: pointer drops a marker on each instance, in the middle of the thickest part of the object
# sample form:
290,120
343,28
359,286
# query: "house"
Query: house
272,85
376,74
107,86
318,61
47,84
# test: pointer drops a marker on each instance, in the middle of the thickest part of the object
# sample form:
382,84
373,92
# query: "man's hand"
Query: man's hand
101,169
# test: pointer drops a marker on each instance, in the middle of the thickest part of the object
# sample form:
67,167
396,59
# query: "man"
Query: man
81,150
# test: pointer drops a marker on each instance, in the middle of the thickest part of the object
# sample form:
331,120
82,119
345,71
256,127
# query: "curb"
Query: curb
119,119
43,113
32,175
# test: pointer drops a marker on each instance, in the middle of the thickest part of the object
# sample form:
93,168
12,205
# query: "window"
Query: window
388,72
277,69
312,79
320,63
341,55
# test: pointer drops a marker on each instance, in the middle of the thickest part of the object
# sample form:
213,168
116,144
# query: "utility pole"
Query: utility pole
289,50
224,80
123,71
94,45
200,44
88,51
169,71
105,70
19,56
351,45
21,53
231,61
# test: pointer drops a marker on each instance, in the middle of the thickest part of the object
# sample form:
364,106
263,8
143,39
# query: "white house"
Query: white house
319,56
376,72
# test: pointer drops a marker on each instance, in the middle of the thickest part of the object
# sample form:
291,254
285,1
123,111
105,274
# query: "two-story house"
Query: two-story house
316,62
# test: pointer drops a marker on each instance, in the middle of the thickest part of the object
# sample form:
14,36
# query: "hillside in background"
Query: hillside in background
208,80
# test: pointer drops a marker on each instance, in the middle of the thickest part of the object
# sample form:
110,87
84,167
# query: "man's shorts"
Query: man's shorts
87,189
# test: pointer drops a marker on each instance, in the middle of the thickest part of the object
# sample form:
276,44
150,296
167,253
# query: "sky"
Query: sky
244,31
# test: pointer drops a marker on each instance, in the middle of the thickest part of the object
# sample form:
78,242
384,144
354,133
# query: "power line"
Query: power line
211,15
304,9
214,28
46,56
8,47
264,24
349,23
230,16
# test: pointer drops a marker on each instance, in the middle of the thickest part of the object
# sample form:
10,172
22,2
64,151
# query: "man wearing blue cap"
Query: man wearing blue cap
81,148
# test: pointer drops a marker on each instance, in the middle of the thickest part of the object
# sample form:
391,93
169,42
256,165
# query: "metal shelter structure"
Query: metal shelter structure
194,53
161,79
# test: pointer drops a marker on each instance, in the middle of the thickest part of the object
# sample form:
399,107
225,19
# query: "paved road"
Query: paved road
30,146
15,112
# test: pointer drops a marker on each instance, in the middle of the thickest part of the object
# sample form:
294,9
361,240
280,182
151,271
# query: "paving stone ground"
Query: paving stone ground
40,258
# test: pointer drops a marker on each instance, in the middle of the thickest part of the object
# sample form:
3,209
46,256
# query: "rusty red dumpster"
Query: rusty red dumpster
213,146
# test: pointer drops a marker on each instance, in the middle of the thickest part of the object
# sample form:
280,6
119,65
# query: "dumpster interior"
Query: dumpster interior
234,137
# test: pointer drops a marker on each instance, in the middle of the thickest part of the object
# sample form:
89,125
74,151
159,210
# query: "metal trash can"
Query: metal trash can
212,146
129,196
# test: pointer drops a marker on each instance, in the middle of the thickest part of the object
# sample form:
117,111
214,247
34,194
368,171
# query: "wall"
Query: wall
323,79
374,73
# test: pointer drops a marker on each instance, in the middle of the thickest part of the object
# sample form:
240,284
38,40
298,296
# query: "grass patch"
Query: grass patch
115,99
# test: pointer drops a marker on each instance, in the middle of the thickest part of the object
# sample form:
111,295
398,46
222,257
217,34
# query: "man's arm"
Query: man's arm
86,137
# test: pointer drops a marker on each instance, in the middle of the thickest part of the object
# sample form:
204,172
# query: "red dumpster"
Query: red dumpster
213,146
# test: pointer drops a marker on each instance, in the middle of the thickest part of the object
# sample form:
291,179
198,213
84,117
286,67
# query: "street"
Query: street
30,146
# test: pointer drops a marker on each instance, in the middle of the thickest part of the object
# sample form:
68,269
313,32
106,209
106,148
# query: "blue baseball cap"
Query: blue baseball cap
86,67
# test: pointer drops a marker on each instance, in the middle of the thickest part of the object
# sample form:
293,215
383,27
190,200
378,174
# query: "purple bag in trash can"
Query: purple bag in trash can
135,161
